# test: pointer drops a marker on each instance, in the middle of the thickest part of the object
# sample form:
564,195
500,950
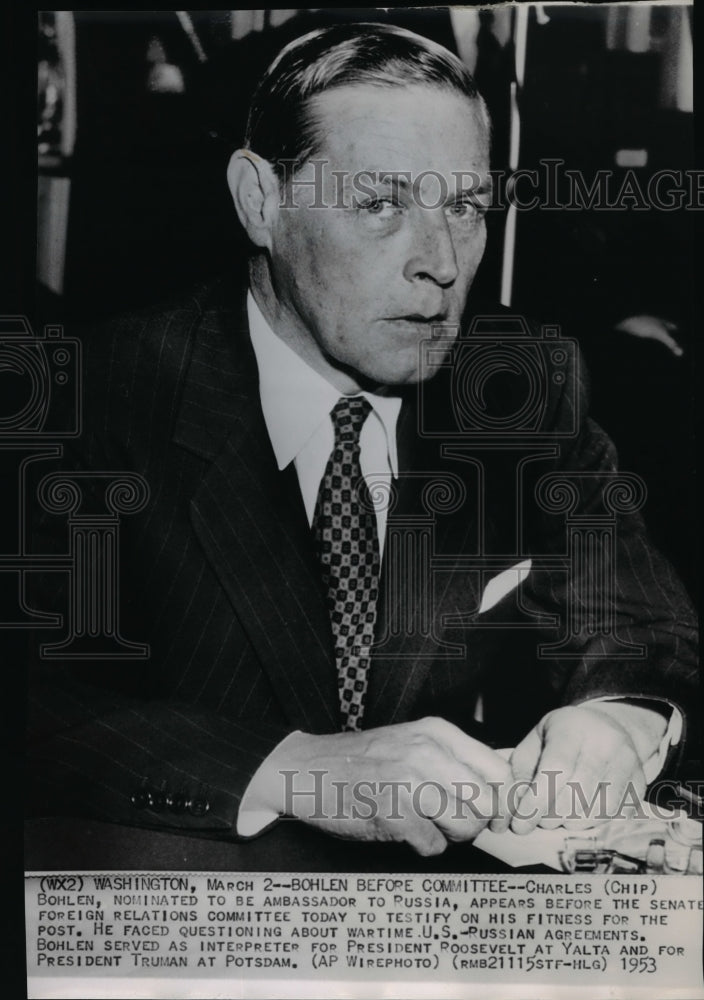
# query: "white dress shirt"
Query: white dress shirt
296,402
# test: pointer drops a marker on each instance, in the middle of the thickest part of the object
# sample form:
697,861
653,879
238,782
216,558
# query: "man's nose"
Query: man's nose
432,254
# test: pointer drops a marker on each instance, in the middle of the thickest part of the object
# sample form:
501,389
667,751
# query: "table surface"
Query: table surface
58,844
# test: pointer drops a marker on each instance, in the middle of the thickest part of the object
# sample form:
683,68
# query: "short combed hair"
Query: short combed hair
281,127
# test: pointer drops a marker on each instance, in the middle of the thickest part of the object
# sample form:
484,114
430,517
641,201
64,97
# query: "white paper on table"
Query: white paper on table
544,847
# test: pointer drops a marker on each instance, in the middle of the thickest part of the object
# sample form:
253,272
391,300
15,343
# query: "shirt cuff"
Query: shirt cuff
265,787
673,733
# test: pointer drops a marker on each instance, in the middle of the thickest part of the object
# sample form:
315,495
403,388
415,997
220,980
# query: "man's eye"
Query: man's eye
381,208
465,209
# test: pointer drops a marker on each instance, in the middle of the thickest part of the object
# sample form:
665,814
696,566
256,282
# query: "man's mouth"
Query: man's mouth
421,317
436,323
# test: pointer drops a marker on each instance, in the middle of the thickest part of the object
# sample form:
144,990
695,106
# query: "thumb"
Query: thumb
524,763
525,757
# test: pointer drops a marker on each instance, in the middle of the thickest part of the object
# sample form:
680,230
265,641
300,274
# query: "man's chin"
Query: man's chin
398,371
424,366
385,382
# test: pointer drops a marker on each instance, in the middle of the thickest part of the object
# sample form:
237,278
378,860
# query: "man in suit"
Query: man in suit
321,622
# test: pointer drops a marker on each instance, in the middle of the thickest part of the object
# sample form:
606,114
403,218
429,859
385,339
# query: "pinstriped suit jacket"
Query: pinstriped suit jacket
218,575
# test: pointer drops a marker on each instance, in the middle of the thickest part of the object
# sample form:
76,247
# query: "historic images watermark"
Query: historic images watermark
41,412
324,798
551,186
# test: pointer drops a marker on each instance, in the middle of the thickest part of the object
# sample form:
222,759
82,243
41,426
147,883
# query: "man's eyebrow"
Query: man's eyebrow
477,184
464,183
467,181
372,177
397,178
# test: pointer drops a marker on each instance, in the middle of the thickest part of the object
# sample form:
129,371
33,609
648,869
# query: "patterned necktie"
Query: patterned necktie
345,531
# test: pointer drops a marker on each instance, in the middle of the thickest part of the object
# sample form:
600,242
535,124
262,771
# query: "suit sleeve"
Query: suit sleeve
148,763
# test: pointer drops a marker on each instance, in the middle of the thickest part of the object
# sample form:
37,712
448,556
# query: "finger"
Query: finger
605,769
587,803
455,798
607,762
555,766
482,759
417,808
525,757
424,837
563,807
485,801
585,823
474,806
478,777
523,763
612,793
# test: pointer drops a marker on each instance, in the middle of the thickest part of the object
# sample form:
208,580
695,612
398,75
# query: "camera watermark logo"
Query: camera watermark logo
41,376
501,408
502,377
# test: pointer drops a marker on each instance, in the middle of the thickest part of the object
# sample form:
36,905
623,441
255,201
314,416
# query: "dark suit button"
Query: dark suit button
198,807
178,803
140,799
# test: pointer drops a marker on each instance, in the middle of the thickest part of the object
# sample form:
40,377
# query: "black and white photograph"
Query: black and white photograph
349,433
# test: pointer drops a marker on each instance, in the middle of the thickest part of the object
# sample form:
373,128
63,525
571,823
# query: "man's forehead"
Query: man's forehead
414,122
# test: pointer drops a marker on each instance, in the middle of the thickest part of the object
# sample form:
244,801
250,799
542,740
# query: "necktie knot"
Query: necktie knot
348,416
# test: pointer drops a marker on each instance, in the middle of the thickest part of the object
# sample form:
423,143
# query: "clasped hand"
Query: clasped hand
427,783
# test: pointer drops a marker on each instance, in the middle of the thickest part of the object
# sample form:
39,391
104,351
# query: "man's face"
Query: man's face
361,280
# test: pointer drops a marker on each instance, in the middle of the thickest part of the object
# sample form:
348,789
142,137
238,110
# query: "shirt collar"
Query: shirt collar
296,399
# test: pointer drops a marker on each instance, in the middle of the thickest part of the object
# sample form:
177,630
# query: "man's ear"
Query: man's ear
255,191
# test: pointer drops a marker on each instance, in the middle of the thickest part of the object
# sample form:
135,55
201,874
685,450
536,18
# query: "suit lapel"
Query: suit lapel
250,520
412,640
